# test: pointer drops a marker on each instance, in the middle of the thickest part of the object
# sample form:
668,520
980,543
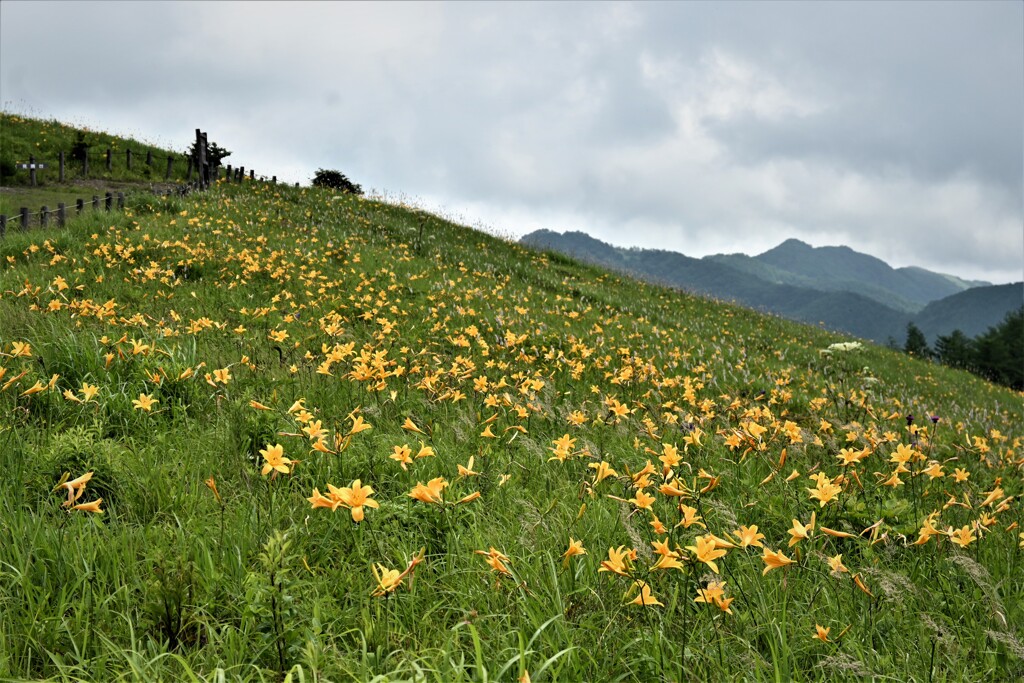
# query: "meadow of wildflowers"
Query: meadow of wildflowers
270,433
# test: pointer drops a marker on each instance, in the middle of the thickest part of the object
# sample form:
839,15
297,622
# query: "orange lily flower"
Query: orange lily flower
774,560
646,598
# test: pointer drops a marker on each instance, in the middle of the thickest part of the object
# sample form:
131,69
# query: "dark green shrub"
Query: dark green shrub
214,153
7,169
80,147
917,343
335,180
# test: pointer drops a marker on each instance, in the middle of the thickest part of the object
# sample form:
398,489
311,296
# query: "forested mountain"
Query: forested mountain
833,286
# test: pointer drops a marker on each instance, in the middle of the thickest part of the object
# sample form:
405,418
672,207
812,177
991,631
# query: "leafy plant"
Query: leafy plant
270,609
170,596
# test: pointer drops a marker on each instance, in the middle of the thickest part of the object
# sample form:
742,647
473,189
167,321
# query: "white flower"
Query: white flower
845,346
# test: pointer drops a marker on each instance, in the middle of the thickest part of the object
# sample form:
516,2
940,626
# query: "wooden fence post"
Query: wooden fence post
85,163
95,202
149,157
120,201
44,216
207,166
170,164
62,215
201,167
108,201
60,163
3,225
273,180
79,206
252,174
110,161
188,176
32,170
228,173
24,218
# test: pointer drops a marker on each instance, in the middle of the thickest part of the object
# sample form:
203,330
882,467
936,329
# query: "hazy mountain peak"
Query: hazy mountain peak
792,245
845,289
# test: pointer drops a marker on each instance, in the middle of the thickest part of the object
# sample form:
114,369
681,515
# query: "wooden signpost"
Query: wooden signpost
32,166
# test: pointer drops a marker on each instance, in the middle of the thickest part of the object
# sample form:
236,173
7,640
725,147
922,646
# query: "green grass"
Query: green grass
171,582
34,198
23,137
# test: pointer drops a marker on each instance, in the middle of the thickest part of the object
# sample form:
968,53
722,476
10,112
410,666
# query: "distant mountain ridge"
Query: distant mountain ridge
972,311
835,286
843,269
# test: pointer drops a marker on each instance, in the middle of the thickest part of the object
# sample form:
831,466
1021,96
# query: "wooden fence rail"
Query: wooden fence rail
34,166
193,166
205,174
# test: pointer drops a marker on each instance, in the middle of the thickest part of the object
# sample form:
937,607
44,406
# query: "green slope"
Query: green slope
223,368
23,137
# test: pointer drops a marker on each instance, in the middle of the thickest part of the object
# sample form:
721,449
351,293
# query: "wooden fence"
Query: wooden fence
84,158
205,173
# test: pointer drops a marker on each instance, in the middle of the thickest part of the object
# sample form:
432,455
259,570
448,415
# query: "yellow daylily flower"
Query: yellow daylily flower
707,551
646,598
773,560
275,460
144,402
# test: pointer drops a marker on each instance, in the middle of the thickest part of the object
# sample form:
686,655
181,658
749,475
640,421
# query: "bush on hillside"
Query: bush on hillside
215,154
7,168
917,343
80,147
1000,351
955,349
997,355
335,180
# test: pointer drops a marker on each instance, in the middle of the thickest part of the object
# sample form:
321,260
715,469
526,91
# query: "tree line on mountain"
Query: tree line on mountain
835,287
996,355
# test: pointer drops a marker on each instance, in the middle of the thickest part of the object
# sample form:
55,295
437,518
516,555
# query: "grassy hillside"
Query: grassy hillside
574,476
22,138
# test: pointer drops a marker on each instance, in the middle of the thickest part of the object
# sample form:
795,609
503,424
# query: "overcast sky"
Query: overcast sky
894,128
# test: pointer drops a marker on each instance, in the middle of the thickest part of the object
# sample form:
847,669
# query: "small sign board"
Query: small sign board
31,166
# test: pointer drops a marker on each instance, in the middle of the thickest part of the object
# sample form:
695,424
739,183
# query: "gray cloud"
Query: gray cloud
895,128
